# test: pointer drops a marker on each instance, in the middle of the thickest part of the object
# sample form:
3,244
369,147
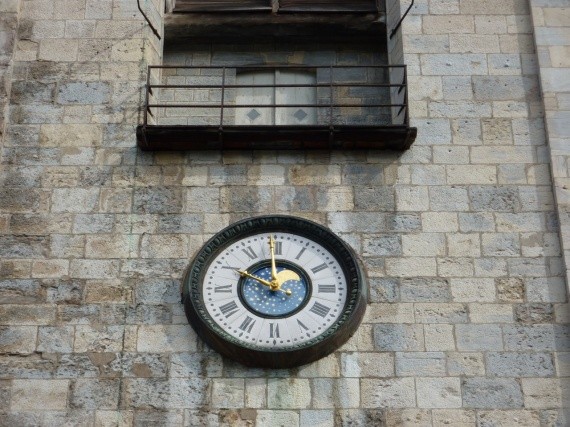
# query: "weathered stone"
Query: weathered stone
391,393
520,364
491,393
95,394
395,337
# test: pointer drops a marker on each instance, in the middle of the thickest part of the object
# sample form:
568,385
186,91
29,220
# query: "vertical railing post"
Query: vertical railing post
331,99
405,83
146,102
223,99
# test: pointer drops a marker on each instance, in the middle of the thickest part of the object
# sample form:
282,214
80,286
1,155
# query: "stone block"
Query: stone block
247,199
511,364
472,337
474,43
35,395
103,339
335,393
522,418
534,313
18,291
433,222
440,313
256,393
315,175
424,290
367,365
466,131
18,339
448,199
506,64
164,246
464,245
74,200
84,93
491,313
55,339
471,174
382,245
362,174
71,135
166,338
457,88
542,393
391,393
411,266
338,199
491,393
27,314
288,393
473,290
317,418
228,393
383,289
58,50
529,338
144,365
95,394
94,269
398,337
271,418
325,367
157,200
412,199
163,394
455,417
491,198
438,392
466,364
454,64
439,337
427,364
23,246
390,313
448,24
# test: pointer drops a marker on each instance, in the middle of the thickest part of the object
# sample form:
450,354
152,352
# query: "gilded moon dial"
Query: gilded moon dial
274,291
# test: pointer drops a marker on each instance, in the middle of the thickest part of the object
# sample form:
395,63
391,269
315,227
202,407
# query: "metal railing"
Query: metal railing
364,95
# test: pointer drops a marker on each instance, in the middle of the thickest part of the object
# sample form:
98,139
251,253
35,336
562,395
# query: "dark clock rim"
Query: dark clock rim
336,335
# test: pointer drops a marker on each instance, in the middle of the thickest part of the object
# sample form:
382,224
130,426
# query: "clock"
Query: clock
275,291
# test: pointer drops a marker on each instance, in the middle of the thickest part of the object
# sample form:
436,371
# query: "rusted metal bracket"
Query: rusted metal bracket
395,29
148,21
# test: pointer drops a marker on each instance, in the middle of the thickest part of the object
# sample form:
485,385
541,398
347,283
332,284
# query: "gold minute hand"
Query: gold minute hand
273,267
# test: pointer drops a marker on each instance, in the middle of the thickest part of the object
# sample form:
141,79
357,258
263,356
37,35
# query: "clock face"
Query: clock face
274,291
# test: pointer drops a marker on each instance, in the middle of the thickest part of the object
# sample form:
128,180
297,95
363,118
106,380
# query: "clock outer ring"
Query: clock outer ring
339,332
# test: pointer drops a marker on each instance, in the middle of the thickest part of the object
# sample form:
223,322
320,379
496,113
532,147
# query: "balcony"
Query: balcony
276,107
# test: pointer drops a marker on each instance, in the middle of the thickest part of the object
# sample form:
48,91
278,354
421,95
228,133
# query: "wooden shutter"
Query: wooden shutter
328,6
255,116
295,95
182,6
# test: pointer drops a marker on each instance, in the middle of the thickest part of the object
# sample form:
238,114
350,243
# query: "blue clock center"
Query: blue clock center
260,299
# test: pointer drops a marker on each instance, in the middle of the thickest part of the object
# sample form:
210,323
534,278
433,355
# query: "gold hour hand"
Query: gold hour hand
244,273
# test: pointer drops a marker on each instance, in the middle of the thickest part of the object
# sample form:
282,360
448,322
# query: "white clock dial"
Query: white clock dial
274,291
310,298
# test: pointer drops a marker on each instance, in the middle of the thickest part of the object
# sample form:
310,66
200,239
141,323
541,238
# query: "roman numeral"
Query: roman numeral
320,309
327,289
225,289
300,254
319,268
229,309
247,324
302,326
249,252
278,248
273,330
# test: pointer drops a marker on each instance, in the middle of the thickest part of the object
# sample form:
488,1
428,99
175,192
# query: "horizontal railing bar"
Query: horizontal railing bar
270,105
274,67
277,85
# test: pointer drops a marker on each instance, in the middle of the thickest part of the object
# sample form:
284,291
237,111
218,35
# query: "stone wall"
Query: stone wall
468,316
